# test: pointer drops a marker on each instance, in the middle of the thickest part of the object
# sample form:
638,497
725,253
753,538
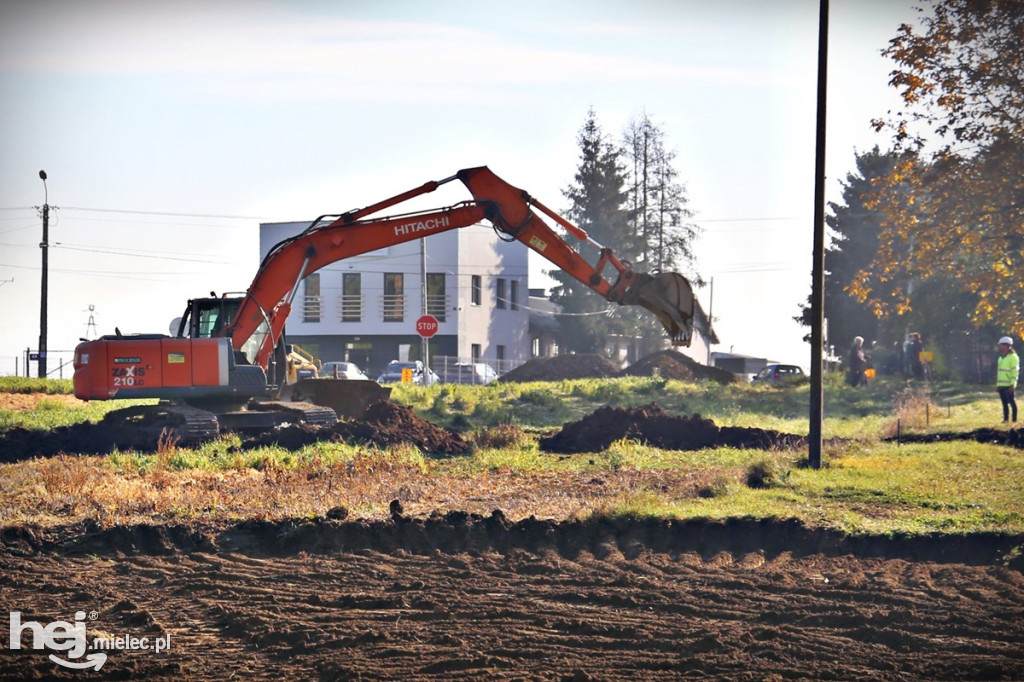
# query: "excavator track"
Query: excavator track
147,425
308,413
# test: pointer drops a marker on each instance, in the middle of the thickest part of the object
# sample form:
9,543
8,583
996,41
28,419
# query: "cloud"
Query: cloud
263,51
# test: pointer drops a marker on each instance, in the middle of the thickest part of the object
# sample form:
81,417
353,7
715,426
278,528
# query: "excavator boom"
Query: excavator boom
333,238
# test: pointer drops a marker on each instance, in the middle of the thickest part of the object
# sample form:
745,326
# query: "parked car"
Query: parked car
468,373
774,374
342,370
393,373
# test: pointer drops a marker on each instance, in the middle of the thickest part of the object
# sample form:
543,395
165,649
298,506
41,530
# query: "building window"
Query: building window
476,290
311,299
499,292
437,298
394,297
501,354
513,294
475,352
351,297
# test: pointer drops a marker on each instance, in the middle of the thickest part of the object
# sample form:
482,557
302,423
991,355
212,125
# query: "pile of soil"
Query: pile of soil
383,424
671,364
582,366
86,438
651,425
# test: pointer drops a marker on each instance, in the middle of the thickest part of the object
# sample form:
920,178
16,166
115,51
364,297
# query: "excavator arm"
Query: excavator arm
259,322
203,387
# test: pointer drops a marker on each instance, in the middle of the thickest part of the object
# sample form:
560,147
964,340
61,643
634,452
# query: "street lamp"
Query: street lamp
44,245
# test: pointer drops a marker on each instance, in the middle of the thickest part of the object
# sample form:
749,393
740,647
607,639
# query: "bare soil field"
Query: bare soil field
470,597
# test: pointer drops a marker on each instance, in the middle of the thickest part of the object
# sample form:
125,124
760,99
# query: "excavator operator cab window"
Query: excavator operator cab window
208,316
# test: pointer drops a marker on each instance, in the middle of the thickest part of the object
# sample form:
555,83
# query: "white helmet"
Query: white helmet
1007,340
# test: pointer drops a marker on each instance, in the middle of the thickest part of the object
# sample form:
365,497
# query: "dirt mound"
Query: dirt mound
582,366
383,424
86,438
652,425
671,364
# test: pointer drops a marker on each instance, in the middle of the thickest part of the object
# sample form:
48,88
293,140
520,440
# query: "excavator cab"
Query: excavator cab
204,318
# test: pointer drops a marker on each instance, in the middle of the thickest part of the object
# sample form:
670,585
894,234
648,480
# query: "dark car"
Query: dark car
774,374
394,371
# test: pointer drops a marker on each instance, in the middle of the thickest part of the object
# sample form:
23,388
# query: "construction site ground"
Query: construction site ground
463,597
481,583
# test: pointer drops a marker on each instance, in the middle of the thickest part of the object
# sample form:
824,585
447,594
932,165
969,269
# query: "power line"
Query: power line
137,254
749,220
103,273
162,213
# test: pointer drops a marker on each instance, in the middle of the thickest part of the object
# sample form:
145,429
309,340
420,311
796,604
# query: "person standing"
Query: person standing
916,355
858,363
1007,373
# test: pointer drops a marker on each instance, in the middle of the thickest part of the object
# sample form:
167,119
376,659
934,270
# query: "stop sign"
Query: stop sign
426,326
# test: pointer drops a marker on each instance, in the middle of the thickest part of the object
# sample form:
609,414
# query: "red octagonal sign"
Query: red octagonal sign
426,326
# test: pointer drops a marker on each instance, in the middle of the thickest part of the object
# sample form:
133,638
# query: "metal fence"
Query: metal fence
59,364
451,369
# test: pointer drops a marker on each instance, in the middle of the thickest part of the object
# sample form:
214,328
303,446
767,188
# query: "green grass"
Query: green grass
31,385
867,484
51,414
872,489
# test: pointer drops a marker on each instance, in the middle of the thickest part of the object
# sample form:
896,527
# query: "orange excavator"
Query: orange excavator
225,369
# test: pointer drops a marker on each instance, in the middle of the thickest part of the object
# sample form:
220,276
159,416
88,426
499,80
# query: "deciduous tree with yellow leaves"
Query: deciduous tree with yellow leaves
954,203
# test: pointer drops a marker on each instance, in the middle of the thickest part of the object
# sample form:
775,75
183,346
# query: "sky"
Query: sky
170,130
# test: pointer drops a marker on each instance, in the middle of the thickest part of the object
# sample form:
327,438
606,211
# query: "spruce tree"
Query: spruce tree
597,200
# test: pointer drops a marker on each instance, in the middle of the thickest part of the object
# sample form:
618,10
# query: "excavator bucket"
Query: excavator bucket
347,397
670,297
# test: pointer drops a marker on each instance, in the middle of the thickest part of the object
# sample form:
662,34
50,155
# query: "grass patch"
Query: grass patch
35,385
875,488
868,485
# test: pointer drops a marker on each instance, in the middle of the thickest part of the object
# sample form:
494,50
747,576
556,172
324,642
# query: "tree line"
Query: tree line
626,194
928,236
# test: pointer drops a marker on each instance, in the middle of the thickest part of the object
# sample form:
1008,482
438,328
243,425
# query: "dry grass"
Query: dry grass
68,489
912,411
957,486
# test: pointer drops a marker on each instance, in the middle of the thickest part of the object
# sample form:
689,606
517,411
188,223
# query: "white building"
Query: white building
364,309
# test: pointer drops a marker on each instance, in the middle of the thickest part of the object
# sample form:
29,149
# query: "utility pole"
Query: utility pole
814,441
424,340
711,318
44,245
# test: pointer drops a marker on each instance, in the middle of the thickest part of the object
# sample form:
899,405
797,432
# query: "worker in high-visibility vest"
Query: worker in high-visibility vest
1007,373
